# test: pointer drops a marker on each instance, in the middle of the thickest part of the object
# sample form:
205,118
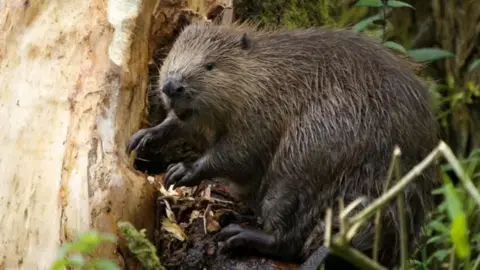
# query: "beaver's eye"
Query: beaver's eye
209,66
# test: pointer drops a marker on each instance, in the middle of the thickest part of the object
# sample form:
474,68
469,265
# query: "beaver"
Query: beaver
172,147
295,119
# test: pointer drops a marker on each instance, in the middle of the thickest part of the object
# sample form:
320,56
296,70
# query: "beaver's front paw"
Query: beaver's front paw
139,140
181,174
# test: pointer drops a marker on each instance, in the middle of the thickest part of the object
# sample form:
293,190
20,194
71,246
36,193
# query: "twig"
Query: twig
342,221
384,26
207,210
477,263
464,178
354,256
414,172
403,220
378,225
354,229
351,206
328,228
397,188
342,248
452,262
351,229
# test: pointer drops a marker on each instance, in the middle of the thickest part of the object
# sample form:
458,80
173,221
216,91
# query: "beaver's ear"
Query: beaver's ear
245,42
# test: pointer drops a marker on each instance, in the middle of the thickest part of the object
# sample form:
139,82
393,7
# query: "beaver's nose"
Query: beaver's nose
172,88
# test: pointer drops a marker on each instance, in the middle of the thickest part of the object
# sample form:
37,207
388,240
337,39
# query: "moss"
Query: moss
299,13
139,245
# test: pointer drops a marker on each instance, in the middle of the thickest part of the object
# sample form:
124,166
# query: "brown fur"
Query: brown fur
301,118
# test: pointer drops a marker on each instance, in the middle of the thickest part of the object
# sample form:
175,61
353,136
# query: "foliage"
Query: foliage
378,3
474,65
450,229
75,254
305,13
454,226
429,54
456,96
140,246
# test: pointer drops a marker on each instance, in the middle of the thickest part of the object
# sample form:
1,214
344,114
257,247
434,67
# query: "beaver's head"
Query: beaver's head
204,70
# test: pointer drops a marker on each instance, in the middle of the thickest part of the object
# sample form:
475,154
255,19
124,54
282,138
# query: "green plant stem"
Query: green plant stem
342,221
403,221
477,263
384,26
464,178
354,256
378,225
344,213
452,262
328,228
397,188
443,149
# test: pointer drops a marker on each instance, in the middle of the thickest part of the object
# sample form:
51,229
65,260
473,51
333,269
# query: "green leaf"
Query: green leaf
476,237
363,24
454,206
475,153
435,239
87,242
63,250
475,64
419,265
429,54
458,227
59,264
395,46
394,3
369,3
108,237
440,255
439,190
442,207
438,226
472,165
104,264
76,260
378,3
459,235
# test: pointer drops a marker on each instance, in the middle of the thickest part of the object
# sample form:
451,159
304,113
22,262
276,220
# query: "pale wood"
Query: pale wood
227,16
67,112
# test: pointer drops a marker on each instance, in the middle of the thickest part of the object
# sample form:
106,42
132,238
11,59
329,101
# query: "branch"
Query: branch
378,225
464,178
354,256
403,221
353,225
397,188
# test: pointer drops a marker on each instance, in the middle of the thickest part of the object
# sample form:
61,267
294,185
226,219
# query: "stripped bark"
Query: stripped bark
69,100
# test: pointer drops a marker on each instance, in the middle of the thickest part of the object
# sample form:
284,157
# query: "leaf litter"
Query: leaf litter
187,220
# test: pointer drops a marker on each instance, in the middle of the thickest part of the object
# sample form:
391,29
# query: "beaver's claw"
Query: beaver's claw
139,140
181,174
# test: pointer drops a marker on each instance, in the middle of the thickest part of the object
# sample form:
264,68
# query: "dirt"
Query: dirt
186,223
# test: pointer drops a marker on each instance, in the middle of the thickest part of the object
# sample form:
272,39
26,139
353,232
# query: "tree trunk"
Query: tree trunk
72,90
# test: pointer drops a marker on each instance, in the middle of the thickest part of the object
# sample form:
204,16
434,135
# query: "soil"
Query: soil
186,223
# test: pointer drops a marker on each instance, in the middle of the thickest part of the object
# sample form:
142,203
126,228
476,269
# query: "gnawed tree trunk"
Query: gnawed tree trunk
67,112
